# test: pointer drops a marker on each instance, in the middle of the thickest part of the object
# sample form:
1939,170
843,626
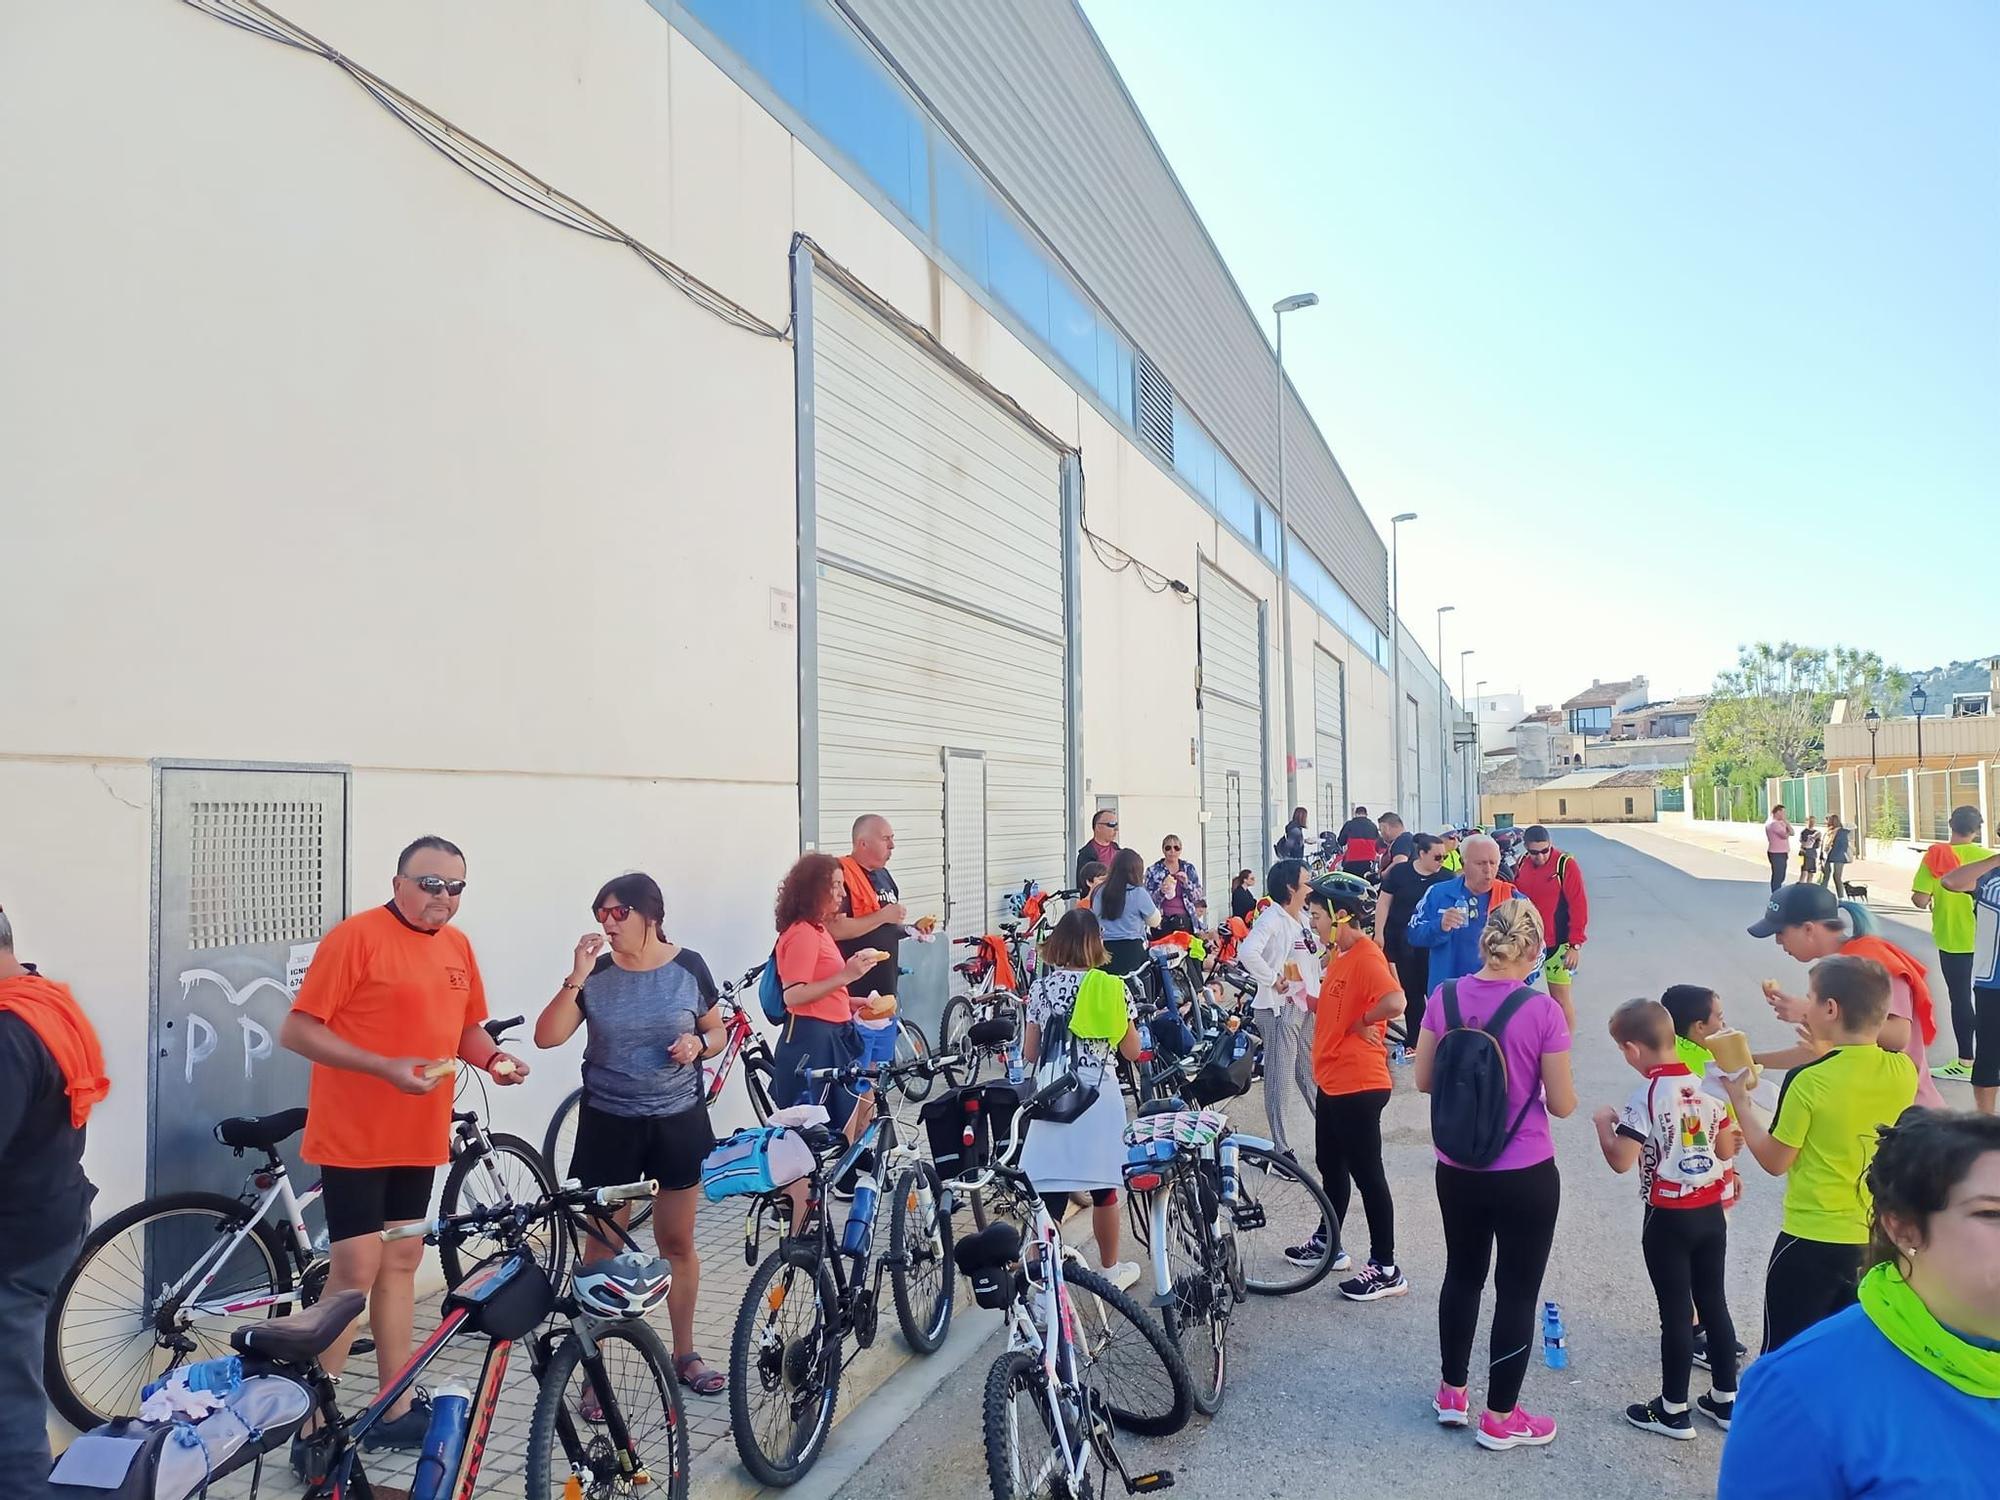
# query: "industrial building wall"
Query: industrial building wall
316,449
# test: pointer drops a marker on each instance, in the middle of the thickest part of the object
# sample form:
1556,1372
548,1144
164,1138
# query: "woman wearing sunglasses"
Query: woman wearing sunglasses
1175,887
648,1006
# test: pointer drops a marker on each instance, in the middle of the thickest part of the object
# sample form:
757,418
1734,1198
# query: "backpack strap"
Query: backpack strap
1452,1019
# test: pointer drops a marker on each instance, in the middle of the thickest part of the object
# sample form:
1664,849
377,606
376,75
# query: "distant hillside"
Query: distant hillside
1959,677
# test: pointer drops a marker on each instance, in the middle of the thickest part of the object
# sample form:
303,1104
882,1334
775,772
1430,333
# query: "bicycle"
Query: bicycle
742,1042
1070,1333
635,1444
121,1318
977,1009
784,1369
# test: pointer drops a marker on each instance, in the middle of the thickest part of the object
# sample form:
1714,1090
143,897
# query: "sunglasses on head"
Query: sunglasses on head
613,913
436,885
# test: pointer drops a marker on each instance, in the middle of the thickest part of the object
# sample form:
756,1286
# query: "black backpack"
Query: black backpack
1469,1083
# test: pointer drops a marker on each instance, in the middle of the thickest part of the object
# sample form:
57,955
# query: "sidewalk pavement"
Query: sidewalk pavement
1888,885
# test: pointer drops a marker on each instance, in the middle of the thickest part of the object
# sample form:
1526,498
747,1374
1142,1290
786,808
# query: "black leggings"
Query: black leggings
1413,968
1516,1210
1986,1043
1684,1249
1957,969
1806,1280
1347,1139
1778,870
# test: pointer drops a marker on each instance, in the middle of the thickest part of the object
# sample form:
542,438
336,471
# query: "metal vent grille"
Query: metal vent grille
1156,408
256,873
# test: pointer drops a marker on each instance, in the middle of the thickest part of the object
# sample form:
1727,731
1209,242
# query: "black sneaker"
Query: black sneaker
1701,1350
1717,1411
1310,1253
1652,1416
406,1431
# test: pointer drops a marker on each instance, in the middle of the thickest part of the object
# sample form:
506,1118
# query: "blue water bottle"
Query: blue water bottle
1555,1344
444,1441
860,1228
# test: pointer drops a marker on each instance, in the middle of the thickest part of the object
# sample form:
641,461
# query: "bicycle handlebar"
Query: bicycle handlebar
567,1196
921,1067
495,1029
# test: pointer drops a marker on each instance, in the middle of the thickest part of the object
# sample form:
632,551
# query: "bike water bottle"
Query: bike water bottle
444,1441
1555,1343
860,1228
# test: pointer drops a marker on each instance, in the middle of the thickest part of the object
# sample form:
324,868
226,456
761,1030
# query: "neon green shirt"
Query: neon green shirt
1828,1110
1954,922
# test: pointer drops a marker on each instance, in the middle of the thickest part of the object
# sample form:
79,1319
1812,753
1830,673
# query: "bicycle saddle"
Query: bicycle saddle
258,1132
991,1033
995,1245
303,1337
1171,1105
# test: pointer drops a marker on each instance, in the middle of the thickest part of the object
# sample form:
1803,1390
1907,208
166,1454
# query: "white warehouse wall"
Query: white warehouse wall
322,451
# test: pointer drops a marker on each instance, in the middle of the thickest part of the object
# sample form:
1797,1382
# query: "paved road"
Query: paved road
1333,1398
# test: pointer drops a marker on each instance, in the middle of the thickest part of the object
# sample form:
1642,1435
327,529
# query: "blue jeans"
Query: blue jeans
24,1409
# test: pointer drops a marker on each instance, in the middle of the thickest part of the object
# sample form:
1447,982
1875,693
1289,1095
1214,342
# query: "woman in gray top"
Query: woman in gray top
649,1005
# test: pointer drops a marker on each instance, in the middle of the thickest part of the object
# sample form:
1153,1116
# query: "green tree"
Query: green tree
1769,713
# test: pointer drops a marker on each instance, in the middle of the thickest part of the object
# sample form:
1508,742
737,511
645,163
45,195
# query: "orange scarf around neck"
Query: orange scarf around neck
52,1013
1903,967
861,897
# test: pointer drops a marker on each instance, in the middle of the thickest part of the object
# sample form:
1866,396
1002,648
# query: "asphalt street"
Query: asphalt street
1327,1397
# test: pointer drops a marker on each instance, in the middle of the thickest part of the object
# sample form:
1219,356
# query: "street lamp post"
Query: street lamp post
1471,815
1279,309
1918,699
1444,744
1478,752
1396,657
1874,722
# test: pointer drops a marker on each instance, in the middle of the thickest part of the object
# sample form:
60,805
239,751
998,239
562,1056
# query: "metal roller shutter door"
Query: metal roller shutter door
937,521
1330,736
1232,731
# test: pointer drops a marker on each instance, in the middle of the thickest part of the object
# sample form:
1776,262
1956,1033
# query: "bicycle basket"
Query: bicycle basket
757,1160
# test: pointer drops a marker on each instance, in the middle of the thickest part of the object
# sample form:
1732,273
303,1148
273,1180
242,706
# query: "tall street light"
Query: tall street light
1279,309
1478,752
1468,651
1874,722
1444,747
1918,698
1396,657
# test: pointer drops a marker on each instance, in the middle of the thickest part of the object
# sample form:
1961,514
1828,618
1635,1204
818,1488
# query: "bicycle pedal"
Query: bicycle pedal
1159,1479
1250,1216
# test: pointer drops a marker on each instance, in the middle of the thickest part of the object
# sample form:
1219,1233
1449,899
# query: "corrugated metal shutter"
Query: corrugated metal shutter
1232,730
938,527
1330,736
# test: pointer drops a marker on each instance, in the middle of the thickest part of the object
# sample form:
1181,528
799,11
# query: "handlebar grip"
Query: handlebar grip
626,1192
423,1229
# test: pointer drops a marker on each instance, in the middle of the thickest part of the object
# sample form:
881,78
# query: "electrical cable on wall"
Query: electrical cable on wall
474,156
1119,560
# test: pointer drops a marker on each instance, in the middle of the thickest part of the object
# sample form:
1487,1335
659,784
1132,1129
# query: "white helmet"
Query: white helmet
625,1286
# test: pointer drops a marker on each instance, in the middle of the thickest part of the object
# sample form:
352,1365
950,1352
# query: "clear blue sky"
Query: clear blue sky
1678,325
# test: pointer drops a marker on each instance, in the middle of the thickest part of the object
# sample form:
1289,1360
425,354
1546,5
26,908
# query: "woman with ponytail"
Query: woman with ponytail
1918,1359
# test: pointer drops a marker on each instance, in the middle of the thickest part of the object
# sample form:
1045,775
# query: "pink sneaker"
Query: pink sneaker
1449,1404
1518,1429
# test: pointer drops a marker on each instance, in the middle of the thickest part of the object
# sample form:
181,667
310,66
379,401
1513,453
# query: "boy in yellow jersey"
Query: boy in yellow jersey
1822,1138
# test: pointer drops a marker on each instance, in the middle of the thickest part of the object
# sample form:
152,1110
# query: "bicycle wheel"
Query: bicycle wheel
639,1385
1197,1317
784,1365
912,1044
1127,1358
512,1172
954,1031
758,1074
1280,1210
920,1266
119,1318
559,1140
1022,1462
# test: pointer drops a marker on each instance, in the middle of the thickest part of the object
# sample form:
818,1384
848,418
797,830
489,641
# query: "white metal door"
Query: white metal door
935,518
1232,730
967,898
1330,736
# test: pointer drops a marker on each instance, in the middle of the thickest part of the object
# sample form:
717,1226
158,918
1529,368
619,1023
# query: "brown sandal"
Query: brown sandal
709,1382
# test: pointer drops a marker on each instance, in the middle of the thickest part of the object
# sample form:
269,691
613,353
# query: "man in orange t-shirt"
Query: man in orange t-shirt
392,1000
1359,995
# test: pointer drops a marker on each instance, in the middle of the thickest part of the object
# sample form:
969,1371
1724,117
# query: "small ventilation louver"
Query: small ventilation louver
1156,408
255,873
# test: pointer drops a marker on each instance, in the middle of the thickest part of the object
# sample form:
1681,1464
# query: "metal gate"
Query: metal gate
249,869
967,903
1232,730
1330,736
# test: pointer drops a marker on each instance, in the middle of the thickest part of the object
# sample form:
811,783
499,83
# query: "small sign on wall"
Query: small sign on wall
784,610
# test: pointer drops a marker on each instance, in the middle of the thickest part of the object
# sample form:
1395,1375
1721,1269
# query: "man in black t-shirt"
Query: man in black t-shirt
1397,841
874,841
1402,888
1360,843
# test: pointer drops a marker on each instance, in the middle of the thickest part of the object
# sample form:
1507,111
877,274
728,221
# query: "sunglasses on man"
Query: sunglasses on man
436,885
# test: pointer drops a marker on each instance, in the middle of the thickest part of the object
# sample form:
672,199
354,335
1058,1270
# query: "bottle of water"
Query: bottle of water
860,1228
444,1441
1555,1343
